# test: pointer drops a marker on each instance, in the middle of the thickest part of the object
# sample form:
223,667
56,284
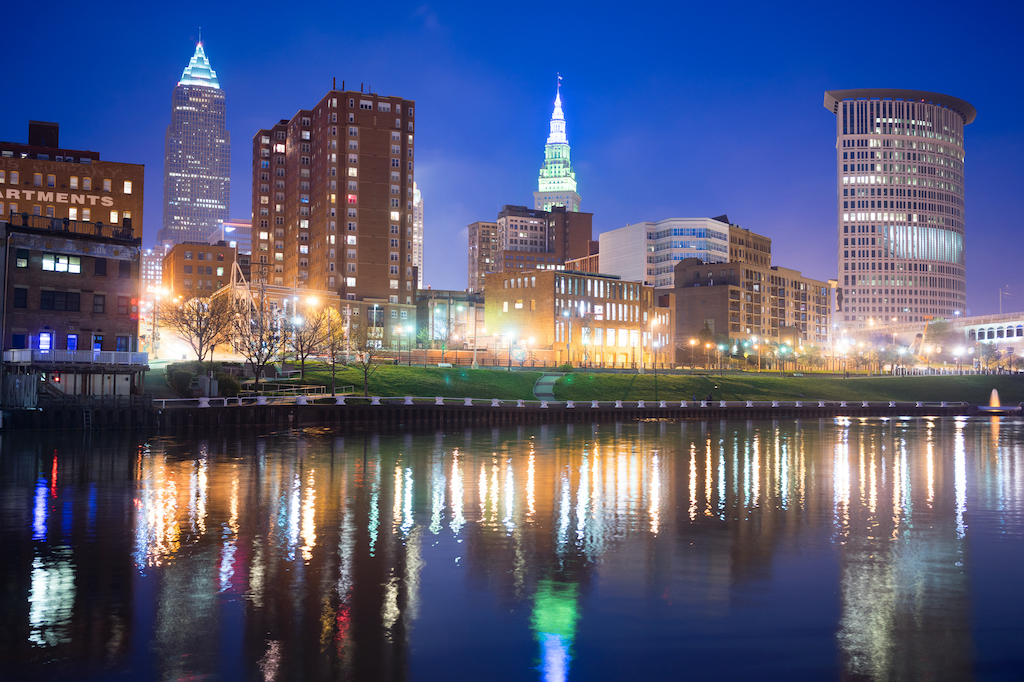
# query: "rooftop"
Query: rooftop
966,111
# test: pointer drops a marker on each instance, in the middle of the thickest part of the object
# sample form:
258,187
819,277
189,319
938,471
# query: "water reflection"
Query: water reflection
305,555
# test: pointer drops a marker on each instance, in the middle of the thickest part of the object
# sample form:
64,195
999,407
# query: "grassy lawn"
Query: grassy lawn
971,389
457,382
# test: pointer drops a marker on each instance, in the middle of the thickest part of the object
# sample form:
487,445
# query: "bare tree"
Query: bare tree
257,330
336,341
201,322
368,354
308,334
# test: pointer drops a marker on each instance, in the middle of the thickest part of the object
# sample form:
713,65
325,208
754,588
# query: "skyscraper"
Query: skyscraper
197,157
333,199
557,183
900,204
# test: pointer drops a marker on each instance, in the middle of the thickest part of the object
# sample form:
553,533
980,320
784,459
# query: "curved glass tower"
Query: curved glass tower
557,183
197,157
900,205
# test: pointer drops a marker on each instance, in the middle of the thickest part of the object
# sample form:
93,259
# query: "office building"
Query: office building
152,268
532,238
236,233
743,300
584,319
417,234
197,269
333,204
197,157
900,205
556,185
483,247
649,251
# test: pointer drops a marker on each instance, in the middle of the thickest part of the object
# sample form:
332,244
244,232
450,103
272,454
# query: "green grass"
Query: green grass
971,389
457,382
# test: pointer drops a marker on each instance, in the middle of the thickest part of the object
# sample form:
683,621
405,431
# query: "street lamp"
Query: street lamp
693,342
958,354
721,369
568,338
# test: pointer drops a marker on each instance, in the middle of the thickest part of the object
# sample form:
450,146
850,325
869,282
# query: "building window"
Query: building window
59,263
37,179
99,303
22,258
113,217
122,305
100,265
20,298
72,342
51,180
122,344
106,185
59,300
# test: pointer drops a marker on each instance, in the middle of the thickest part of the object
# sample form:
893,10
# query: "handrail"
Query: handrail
512,403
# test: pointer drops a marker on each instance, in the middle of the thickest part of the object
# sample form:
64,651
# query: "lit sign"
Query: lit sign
58,197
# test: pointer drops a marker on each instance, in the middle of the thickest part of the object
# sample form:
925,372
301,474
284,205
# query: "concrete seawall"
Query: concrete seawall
363,417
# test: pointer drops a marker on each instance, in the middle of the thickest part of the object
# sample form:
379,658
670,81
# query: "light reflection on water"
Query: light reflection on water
738,549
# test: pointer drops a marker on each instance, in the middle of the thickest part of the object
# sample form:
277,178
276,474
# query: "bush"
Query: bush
565,368
227,385
181,381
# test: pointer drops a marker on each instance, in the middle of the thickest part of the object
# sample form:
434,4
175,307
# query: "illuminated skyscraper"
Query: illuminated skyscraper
197,157
557,183
900,204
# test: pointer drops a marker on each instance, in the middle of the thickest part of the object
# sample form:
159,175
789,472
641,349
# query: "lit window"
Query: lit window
351,240
127,186
352,198
51,180
113,217
87,183
350,281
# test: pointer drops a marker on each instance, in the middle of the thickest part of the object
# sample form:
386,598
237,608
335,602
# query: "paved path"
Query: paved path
544,389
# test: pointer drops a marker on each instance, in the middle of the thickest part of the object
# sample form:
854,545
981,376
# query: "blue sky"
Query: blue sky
673,109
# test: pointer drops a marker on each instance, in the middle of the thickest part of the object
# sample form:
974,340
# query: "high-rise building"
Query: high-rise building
417,234
483,247
557,183
197,157
900,204
333,204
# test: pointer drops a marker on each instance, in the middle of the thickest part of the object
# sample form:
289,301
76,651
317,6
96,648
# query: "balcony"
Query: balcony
75,357
97,229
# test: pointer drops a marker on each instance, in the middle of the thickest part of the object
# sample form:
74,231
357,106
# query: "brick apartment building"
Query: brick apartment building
333,205
72,268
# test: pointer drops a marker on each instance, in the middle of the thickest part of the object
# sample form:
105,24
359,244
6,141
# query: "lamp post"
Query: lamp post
958,354
693,342
511,337
568,337
721,369
153,339
473,308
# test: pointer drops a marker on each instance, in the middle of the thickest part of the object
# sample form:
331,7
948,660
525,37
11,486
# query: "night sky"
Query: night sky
672,109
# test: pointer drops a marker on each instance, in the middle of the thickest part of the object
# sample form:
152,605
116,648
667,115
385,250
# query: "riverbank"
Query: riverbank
462,382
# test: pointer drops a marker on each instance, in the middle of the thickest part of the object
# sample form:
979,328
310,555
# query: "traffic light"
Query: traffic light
135,309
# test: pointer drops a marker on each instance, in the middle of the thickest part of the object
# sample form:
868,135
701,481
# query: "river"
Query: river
835,549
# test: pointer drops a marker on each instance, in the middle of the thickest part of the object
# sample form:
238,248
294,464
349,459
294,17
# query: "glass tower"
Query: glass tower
197,157
900,205
557,183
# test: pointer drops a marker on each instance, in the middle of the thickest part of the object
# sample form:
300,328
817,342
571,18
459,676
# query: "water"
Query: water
847,549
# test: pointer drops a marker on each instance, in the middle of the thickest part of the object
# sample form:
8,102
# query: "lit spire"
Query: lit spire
557,135
199,71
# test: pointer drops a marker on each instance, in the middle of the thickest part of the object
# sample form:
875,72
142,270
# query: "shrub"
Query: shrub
181,380
227,385
565,368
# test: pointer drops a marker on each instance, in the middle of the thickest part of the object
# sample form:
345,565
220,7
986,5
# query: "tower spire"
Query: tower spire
199,71
557,180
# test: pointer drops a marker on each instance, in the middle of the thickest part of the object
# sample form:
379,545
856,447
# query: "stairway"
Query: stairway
87,419
545,386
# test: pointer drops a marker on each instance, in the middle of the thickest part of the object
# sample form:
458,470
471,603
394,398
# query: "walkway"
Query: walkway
544,389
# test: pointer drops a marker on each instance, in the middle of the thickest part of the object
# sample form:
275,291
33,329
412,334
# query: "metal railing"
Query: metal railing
441,401
97,229
92,357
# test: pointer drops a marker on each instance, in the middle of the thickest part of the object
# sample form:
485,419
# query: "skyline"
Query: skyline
745,133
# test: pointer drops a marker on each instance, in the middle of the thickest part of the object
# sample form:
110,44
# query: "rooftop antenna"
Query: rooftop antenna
200,35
